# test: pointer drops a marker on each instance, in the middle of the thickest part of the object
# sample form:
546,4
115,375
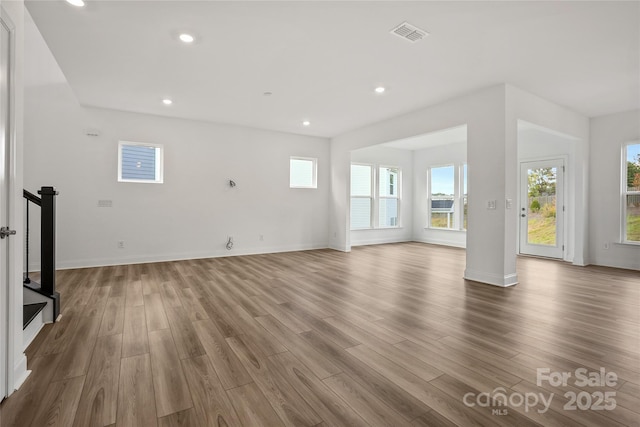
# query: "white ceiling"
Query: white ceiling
322,60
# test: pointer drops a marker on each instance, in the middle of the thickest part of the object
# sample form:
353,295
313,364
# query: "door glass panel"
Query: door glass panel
541,216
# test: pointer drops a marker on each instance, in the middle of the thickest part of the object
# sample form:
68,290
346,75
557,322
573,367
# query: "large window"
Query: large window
371,208
631,193
388,197
139,162
447,196
361,196
303,172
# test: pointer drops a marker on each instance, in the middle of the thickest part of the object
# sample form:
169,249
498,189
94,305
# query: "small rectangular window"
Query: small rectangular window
139,162
631,193
303,172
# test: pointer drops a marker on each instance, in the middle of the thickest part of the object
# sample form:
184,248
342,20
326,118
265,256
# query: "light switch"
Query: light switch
509,203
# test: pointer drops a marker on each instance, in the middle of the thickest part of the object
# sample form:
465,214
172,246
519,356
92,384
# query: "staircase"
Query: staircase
32,321
41,301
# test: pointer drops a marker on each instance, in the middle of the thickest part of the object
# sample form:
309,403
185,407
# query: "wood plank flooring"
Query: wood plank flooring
387,335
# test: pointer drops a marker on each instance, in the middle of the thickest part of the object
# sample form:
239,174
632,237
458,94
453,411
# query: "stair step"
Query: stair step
30,311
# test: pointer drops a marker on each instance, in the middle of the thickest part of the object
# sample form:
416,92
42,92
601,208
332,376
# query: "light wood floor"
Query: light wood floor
384,336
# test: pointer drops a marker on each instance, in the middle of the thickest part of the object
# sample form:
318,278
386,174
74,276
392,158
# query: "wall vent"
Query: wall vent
409,32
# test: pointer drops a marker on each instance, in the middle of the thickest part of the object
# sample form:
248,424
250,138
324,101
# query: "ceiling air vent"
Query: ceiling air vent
409,32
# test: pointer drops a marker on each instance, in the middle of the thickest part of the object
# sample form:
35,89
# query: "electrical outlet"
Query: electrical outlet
491,204
606,245
261,237
120,244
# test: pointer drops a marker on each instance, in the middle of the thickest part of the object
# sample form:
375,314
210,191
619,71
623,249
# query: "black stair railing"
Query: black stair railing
47,204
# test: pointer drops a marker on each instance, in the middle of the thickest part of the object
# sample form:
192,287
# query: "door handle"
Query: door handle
4,232
523,215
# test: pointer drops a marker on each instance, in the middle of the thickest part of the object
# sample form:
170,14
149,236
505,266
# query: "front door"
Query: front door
542,208
5,157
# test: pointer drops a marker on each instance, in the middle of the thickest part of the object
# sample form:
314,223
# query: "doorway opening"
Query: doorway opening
542,208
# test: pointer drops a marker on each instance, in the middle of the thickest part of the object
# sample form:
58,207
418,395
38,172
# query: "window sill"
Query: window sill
628,243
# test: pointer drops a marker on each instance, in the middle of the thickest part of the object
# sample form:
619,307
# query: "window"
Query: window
465,208
442,197
388,201
303,172
361,196
631,193
139,162
447,195
375,210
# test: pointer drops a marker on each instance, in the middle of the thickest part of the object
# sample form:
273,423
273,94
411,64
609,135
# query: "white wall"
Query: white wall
608,133
16,360
441,155
386,156
193,212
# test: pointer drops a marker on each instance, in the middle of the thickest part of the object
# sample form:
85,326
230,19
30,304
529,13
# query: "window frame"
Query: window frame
314,172
374,220
159,166
398,188
372,198
624,194
458,196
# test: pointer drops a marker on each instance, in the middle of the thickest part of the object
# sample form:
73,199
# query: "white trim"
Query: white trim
491,279
20,372
382,241
101,262
442,242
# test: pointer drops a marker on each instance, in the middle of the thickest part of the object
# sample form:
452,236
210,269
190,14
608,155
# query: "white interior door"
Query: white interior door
4,199
542,208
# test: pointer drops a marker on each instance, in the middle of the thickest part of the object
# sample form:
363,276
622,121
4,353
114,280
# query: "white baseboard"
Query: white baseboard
20,372
32,330
101,262
491,279
380,241
440,242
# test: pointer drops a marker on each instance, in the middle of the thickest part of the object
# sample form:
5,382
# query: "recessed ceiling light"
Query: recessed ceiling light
379,89
78,3
167,101
187,38
306,123
268,93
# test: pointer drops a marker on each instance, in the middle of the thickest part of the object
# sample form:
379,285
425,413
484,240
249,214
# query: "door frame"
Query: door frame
562,213
8,291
